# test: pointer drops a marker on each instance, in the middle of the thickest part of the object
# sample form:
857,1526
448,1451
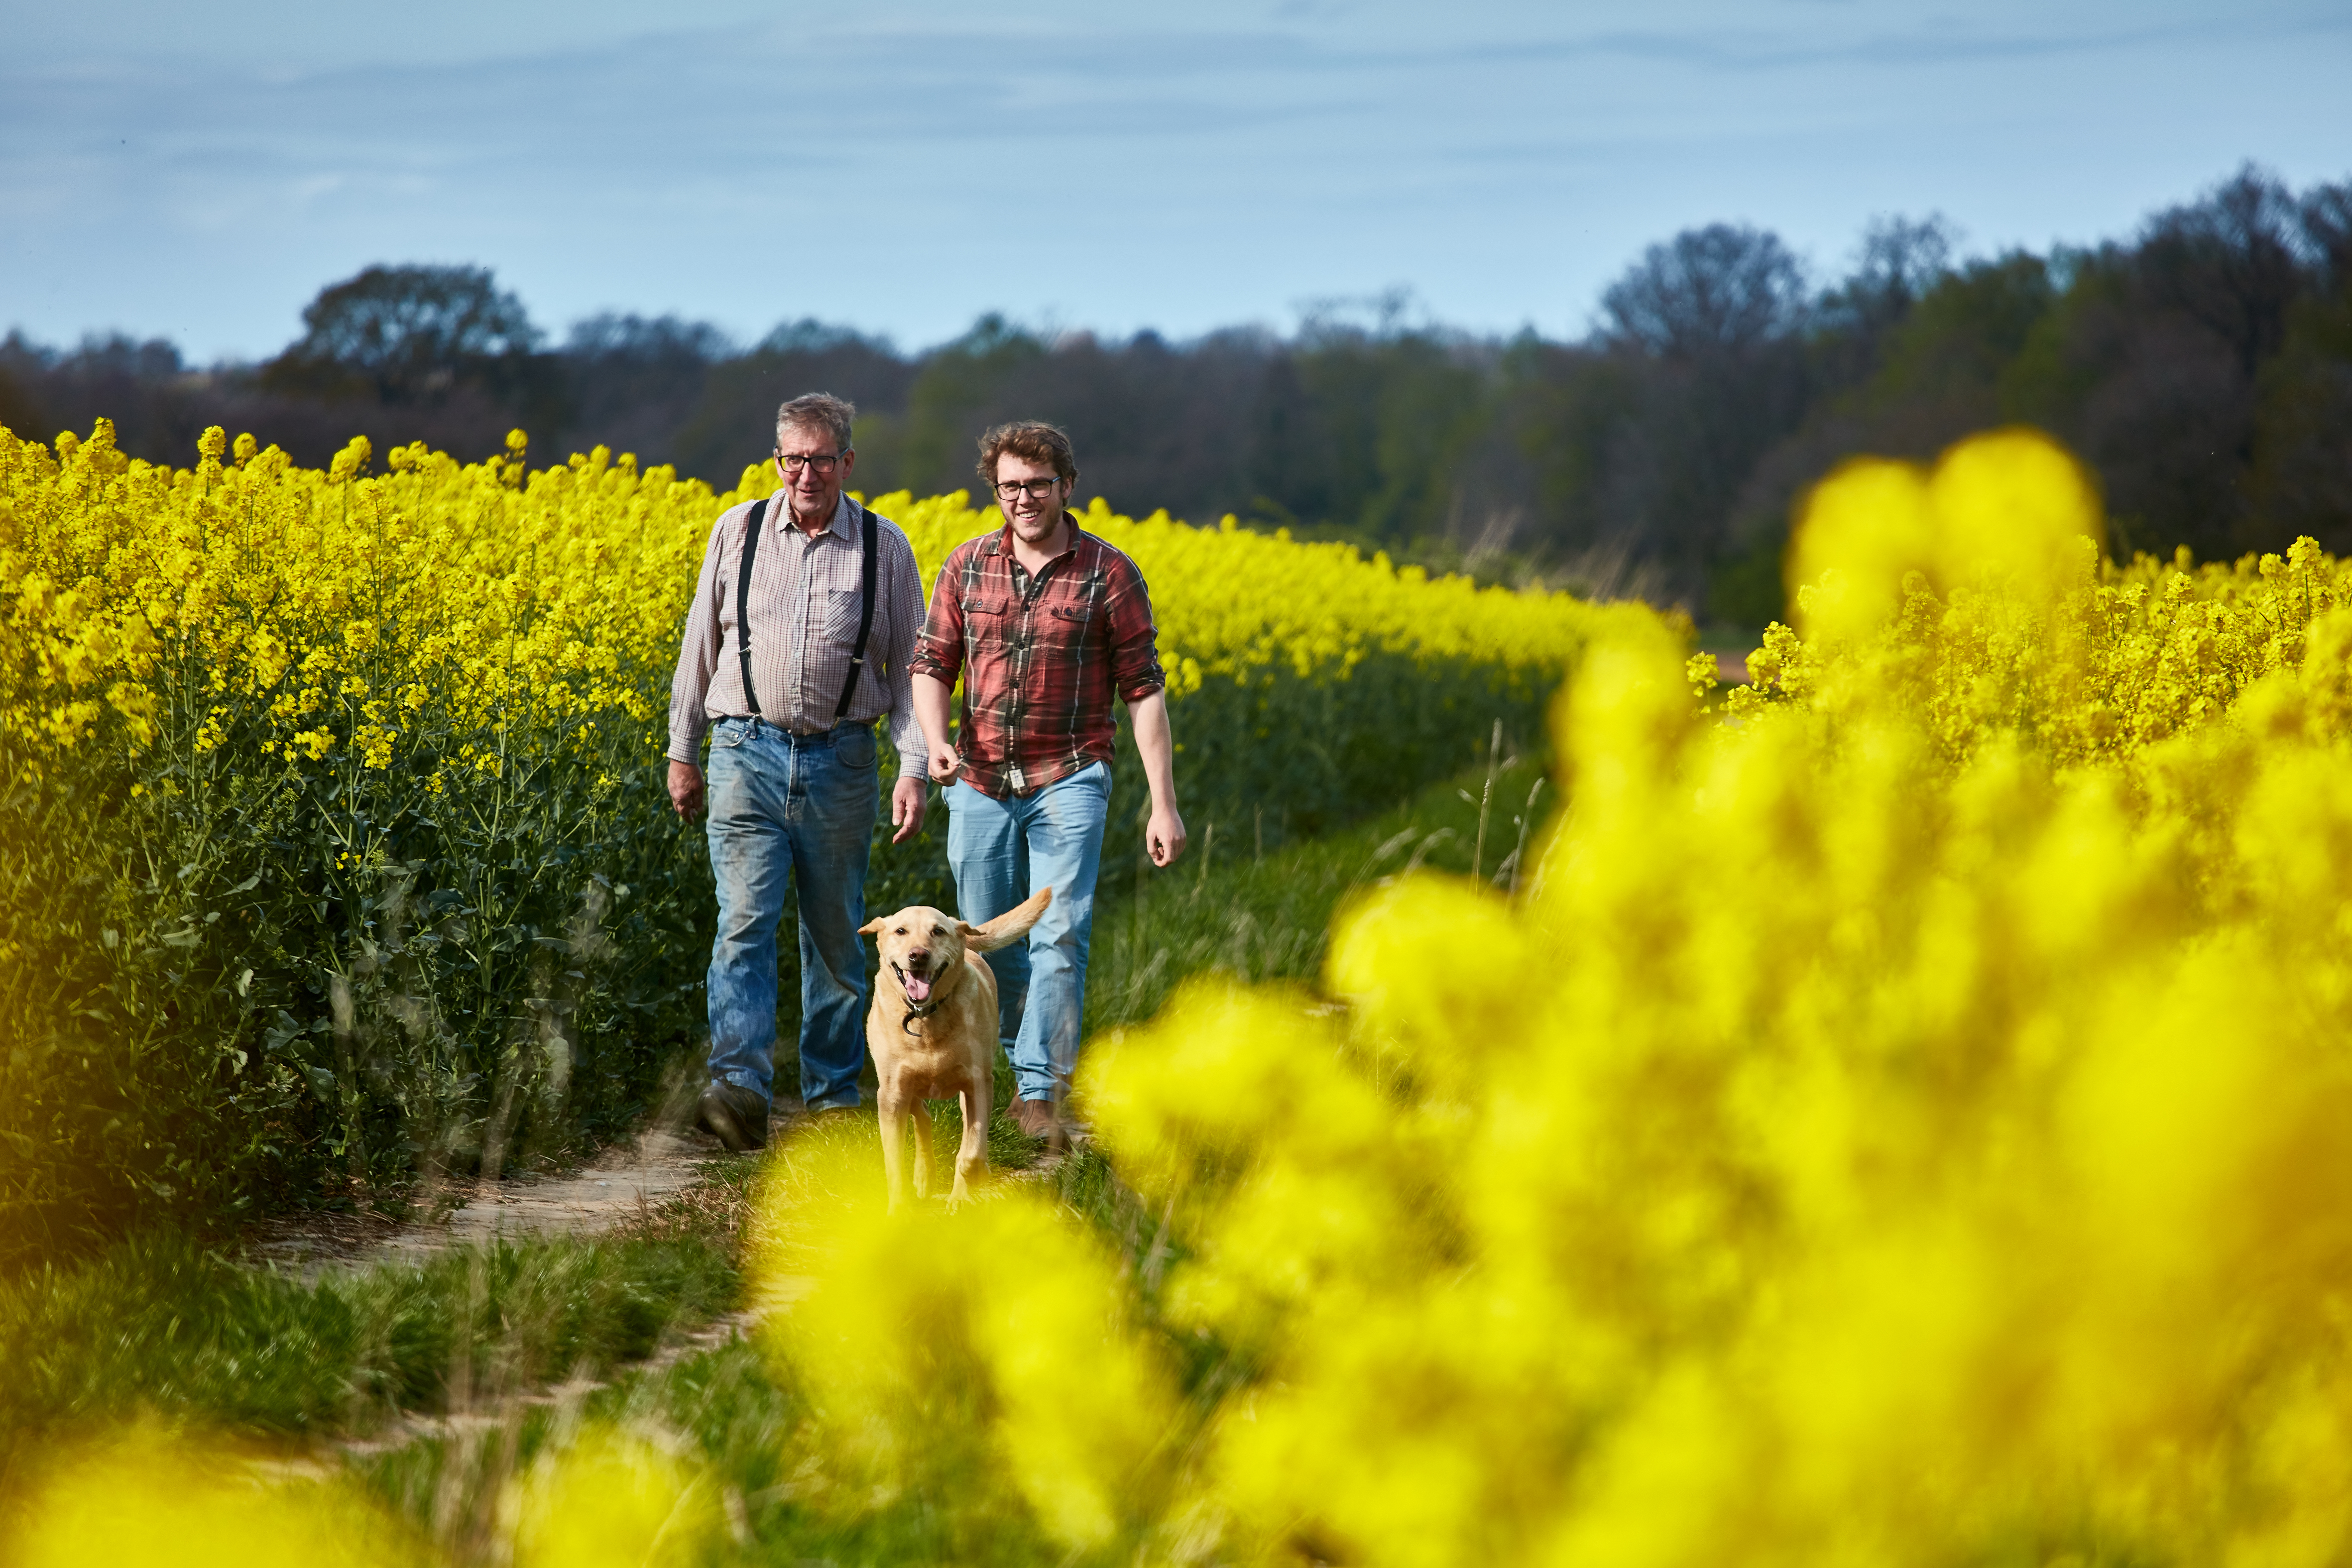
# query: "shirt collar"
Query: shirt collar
844,514
1001,541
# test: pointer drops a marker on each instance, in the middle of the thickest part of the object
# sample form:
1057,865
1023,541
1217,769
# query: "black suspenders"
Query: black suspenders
867,552
743,600
865,617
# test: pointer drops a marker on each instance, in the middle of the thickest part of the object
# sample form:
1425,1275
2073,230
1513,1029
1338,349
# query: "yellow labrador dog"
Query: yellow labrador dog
932,1031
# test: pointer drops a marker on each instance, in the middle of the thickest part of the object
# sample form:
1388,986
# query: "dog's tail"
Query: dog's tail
1010,927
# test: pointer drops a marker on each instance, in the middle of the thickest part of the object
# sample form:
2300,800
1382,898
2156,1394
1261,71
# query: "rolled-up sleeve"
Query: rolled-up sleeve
906,622
1134,639
938,652
698,659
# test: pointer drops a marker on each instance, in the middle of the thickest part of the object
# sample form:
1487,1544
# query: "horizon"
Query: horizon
1397,311
1227,169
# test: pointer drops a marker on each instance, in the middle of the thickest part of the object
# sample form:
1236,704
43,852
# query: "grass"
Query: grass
737,1417
1256,916
1234,909
165,1327
1229,907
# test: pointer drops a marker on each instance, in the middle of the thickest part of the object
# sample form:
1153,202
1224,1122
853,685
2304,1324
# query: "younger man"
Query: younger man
1048,626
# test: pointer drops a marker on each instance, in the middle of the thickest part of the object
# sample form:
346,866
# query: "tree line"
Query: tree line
2202,366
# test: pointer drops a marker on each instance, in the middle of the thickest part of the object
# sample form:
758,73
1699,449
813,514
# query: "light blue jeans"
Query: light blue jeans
797,813
1000,853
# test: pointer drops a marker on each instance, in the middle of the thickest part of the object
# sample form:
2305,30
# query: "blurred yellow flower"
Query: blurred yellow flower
145,1498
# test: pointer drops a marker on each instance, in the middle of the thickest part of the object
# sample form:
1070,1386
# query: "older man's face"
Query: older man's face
813,470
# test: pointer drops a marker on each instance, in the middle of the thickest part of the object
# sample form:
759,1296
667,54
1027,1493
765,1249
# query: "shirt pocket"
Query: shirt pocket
841,609
990,624
1068,627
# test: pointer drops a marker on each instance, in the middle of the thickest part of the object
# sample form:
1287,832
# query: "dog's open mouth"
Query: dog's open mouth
917,986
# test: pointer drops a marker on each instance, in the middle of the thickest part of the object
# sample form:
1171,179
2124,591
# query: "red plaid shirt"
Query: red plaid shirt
1041,658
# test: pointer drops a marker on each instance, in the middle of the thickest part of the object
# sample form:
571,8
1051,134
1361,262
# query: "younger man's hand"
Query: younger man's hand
1164,836
946,761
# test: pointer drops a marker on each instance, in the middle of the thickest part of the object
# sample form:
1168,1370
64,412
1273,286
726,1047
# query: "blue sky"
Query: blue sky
199,173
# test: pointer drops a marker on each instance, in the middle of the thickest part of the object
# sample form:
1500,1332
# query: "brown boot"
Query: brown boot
738,1115
1043,1119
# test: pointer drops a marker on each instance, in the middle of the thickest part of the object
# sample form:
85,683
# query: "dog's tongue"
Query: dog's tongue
918,989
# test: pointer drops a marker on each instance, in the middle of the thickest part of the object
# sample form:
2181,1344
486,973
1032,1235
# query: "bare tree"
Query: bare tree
1722,290
2230,262
2328,231
1901,260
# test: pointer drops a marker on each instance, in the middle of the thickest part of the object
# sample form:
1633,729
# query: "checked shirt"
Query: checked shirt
1041,658
805,593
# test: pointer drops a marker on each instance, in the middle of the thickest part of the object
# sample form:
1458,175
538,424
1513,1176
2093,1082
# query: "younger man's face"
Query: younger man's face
1030,496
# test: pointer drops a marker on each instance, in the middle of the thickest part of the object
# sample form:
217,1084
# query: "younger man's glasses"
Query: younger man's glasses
1039,489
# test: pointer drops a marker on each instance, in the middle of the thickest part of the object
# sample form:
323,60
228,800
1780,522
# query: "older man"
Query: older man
801,637
1049,626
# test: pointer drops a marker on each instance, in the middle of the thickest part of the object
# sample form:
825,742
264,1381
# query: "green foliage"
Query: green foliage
1962,336
1375,428
156,1324
339,855
267,979
1242,905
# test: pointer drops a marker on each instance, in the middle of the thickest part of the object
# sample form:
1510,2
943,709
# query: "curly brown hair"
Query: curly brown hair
1029,438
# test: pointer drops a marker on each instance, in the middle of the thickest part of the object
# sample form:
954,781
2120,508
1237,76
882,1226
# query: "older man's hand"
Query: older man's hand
907,800
685,789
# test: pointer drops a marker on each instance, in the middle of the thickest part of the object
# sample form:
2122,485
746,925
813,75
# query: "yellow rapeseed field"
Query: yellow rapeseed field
1902,1119
523,598
336,845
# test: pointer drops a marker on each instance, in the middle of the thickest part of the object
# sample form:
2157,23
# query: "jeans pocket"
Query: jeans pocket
728,734
854,749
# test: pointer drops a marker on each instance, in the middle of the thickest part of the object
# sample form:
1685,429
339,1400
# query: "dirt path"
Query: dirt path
620,1184
625,1182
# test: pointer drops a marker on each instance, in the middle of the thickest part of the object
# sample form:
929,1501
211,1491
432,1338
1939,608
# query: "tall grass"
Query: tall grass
160,1325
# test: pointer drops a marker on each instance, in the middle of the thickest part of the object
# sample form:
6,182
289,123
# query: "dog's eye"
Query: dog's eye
898,931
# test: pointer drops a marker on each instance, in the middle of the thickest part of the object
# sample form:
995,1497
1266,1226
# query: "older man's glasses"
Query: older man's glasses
1035,489
822,461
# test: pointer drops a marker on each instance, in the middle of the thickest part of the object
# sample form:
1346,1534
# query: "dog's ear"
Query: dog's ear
965,931
872,928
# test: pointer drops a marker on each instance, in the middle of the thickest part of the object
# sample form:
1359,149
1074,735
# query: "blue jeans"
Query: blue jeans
796,813
1000,853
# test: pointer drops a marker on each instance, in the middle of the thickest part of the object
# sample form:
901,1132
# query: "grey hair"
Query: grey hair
818,409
